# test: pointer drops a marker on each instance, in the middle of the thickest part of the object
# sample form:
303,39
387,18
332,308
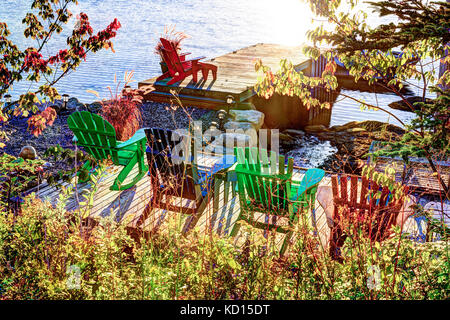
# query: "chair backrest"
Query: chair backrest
375,205
264,182
95,134
168,167
168,56
173,56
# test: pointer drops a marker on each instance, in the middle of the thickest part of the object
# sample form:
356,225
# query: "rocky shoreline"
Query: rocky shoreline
153,115
352,140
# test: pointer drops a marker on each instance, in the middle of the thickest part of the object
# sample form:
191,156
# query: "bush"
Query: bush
39,247
123,110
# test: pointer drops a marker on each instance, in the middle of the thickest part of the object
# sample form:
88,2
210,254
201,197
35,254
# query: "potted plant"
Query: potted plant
123,109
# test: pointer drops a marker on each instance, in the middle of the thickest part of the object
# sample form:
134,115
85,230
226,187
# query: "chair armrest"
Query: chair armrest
138,136
195,59
209,173
227,162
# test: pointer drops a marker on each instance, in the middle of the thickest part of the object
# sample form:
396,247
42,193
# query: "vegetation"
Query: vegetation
122,110
46,18
176,37
40,247
367,53
48,252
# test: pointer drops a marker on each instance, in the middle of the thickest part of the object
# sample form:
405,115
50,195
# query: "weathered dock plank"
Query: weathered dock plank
128,206
236,76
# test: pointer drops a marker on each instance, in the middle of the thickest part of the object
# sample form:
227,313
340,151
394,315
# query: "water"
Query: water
311,152
216,27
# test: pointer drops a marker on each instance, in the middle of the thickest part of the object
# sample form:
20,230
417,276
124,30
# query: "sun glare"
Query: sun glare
287,20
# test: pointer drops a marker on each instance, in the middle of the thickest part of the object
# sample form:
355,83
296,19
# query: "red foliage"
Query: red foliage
5,75
123,112
84,26
33,60
110,31
38,122
61,56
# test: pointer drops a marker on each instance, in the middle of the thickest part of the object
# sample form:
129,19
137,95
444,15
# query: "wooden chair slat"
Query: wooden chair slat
344,189
375,211
353,190
265,192
176,176
98,137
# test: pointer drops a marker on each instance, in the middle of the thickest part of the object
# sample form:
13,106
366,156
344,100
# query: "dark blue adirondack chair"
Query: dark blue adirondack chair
176,174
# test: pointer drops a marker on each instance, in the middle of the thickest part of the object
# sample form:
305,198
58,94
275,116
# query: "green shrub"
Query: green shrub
39,246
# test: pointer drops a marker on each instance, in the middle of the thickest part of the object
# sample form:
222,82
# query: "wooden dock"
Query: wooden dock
236,76
128,206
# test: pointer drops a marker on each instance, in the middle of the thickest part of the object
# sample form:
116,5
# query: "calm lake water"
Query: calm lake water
216,27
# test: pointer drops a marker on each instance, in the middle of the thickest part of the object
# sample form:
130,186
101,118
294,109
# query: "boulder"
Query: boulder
73,104
315,128
28,153
401,105
236,125
344,127
286,137
218,150
256,118
294,132
94,107
368,125
225,143
356,130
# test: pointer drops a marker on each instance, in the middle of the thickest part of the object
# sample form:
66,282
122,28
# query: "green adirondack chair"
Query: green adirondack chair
98,138
265,185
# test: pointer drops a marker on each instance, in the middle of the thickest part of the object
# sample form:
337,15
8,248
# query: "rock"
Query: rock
368,125
236,125
287,140
286,137
293,132
355,130
218,150
94,107
256,118
225,143
338,128
28,153
401,105
374,126
73,104
315,128
327,135
344,127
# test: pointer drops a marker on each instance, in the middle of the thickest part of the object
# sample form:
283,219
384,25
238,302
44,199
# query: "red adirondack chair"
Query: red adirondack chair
375,215
179,68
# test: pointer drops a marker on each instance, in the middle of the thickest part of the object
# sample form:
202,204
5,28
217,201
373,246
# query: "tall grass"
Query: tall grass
38,246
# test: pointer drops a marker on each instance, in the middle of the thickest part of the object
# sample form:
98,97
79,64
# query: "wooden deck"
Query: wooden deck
417,174
127,207
236,76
